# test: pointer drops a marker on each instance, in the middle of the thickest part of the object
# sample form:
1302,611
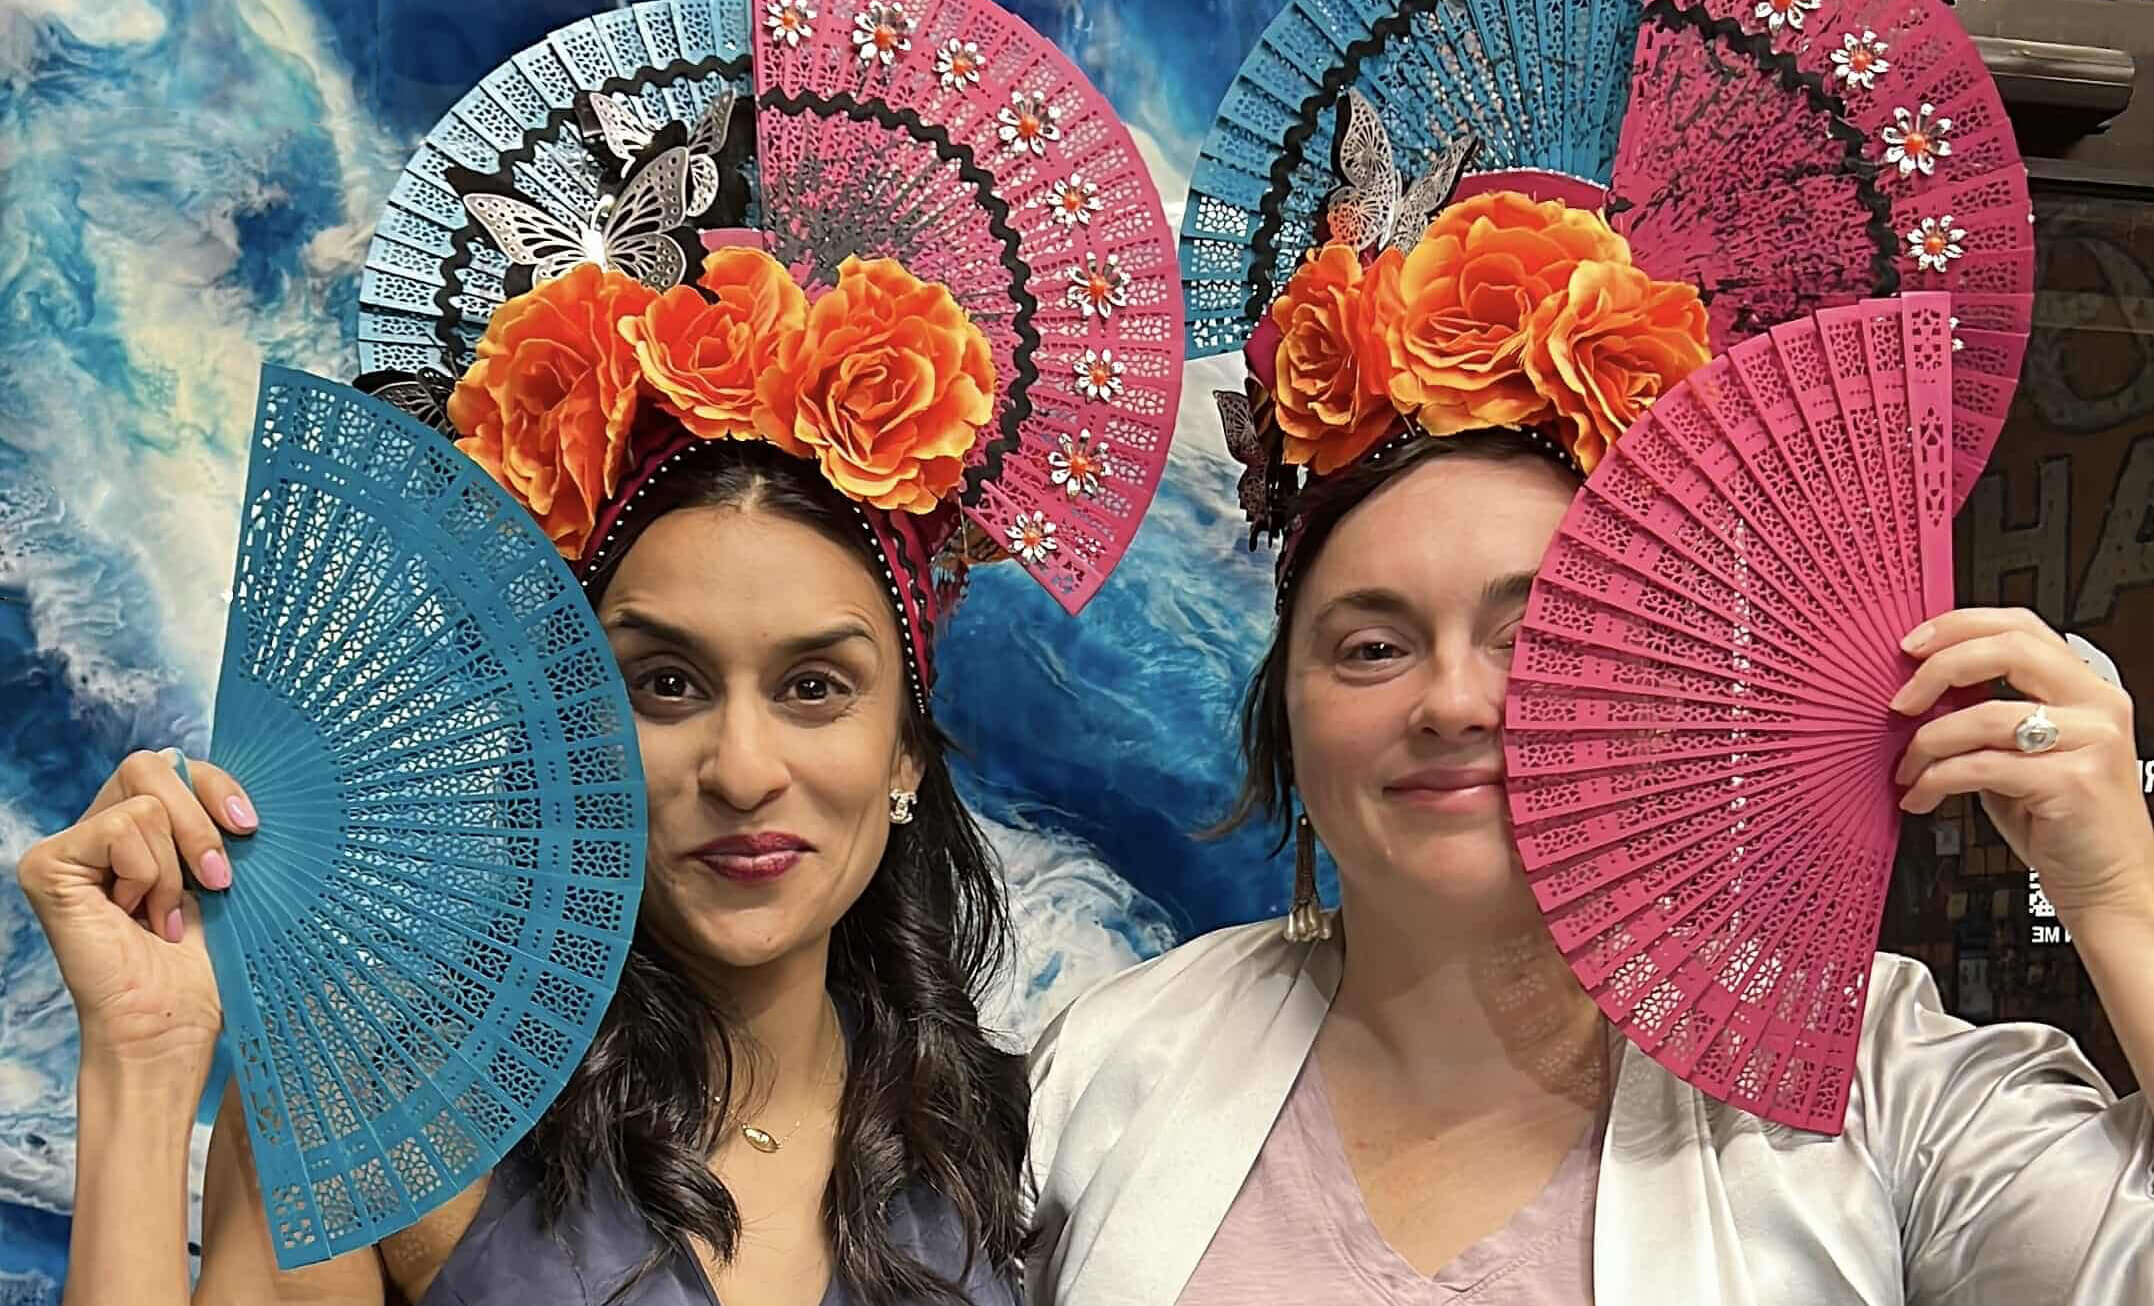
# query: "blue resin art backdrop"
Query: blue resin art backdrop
188,188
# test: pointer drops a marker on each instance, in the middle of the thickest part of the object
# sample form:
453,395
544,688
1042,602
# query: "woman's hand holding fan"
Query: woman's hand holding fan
411,951
2063,786
108,891
2057,776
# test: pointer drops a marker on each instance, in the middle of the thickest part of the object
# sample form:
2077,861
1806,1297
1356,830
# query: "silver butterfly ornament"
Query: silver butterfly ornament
1373,207
625,125
630,231
1268,485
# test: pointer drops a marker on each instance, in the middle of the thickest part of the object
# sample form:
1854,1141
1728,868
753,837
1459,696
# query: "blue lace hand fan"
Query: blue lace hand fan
421,940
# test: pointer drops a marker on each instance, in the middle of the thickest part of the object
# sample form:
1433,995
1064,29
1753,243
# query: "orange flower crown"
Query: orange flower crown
884,381
1509,312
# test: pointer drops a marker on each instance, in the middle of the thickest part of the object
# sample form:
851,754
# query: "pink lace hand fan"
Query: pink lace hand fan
1699,745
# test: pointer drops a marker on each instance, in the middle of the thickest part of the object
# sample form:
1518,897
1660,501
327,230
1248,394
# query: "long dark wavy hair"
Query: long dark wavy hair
1267,787
927,1099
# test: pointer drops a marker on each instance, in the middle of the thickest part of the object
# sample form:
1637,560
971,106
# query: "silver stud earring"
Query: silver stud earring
901,801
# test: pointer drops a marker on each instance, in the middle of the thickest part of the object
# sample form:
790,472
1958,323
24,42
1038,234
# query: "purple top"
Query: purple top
504,1260
1298,1231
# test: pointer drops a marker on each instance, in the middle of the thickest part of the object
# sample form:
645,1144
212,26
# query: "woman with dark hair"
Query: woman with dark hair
791,1088
772,493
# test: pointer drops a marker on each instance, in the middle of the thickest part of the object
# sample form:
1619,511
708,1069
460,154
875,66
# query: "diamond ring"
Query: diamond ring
2036,733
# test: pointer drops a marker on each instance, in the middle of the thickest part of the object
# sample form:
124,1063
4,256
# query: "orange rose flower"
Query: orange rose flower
1607,345
704,357
887,387
1455,334
1329,401
546,408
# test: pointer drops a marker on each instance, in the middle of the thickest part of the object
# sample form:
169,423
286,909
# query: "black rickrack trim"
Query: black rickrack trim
1264,246
1018,409
467,239
1758,47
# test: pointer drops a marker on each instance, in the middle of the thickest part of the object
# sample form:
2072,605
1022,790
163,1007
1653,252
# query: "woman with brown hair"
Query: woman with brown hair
1418,1099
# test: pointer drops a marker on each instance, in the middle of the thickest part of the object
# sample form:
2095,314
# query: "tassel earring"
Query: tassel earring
1308,921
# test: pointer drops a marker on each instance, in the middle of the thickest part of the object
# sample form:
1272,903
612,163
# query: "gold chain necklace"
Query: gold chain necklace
762,1140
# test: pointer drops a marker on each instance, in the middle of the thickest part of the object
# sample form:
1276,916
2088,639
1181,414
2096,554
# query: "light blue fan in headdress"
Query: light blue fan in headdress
434,272
1537,84
421,940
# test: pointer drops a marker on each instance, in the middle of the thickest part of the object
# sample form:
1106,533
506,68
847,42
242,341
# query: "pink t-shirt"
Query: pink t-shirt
1299,1232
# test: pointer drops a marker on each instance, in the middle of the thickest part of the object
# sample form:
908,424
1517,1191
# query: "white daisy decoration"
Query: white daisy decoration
1098,286
1860,59
882,32
1916,141
1786,13
1073,201
1078,465
1032,537
790,21
958,64
1028,122
1935,243
1099,374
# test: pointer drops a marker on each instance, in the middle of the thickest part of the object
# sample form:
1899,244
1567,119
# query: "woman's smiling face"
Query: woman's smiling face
1399,652
763,662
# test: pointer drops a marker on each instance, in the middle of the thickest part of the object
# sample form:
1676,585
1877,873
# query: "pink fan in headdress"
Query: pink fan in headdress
1699,743
949,135
1787,155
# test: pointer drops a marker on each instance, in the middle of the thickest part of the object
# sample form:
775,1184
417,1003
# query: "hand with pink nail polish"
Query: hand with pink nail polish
110,892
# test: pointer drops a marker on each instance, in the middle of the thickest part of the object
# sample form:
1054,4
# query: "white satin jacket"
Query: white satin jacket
1979,1167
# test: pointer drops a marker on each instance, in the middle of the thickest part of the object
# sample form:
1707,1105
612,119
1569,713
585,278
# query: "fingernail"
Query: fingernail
216,871
242,815
1918,637
174,926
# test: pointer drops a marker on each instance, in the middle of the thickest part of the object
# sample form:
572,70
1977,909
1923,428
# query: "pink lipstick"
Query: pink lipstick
753,858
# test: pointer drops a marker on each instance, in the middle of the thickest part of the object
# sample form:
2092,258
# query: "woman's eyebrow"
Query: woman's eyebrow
632,620
822,641
635,622
1374,600
1508,591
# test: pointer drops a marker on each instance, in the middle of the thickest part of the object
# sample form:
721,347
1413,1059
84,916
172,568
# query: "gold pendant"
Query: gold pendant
758,1139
